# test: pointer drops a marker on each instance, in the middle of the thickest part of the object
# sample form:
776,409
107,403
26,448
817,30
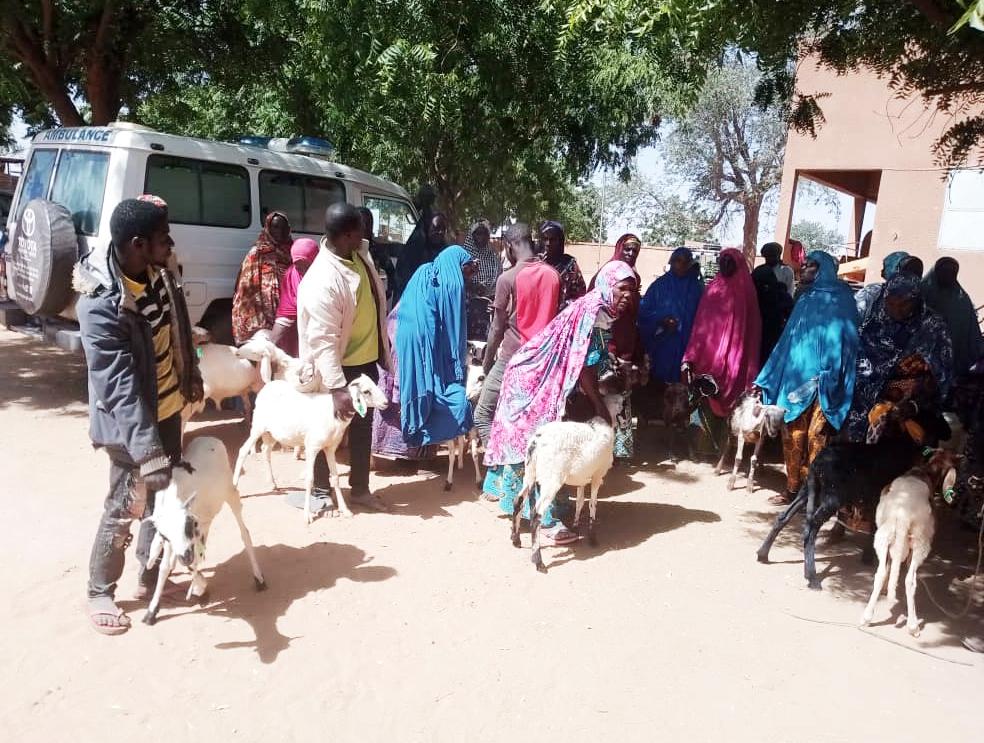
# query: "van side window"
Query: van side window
200,192
37,178
80,183
392,220
303,198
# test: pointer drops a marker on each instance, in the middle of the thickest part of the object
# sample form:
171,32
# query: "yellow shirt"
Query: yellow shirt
363,345
155,308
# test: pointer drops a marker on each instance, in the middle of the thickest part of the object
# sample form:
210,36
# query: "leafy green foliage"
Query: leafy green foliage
481,99
909,42
816,236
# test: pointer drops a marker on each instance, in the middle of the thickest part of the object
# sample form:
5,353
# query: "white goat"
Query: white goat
293,418
457,446
905,528
565,453
752,422
183,514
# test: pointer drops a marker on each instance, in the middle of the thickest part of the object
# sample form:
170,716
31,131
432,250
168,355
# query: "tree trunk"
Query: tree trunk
750,230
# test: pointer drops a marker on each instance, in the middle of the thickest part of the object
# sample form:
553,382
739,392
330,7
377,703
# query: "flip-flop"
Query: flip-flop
121,622
320,501
558,537
779,499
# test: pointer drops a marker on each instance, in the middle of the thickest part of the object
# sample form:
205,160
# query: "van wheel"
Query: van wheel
217,320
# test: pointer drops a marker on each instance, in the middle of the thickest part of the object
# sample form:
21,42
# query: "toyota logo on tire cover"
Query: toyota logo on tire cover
29,222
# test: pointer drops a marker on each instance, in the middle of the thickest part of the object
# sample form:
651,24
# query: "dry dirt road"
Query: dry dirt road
425,624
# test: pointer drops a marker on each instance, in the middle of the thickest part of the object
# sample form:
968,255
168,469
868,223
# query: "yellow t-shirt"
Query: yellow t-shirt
363,345
155,308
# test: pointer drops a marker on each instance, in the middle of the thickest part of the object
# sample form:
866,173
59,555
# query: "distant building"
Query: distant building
878,149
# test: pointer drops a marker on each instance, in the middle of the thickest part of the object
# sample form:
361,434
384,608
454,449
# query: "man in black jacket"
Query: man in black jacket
141,374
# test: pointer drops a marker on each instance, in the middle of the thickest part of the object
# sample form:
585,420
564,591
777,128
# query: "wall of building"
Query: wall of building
868,128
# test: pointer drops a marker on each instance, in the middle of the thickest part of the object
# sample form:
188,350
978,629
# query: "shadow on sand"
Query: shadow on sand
42,377
945,573
291,573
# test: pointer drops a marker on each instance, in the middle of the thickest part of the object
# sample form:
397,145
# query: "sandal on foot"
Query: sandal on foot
780,499
488,497
557,536
106,617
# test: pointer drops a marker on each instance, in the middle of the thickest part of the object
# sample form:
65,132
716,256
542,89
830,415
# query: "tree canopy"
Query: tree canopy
907,41
481,99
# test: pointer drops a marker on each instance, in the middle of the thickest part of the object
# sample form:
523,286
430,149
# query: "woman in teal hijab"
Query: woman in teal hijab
811,371
432,350
870,297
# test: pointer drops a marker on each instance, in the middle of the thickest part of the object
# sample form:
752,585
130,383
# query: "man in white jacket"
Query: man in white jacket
341,322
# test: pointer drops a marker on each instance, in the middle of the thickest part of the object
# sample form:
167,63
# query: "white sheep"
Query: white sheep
752,422
905,528
293,418
224,374
565,453
457,446
183,514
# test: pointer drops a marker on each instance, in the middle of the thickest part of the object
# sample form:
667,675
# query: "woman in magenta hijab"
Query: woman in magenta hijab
284,333
727,333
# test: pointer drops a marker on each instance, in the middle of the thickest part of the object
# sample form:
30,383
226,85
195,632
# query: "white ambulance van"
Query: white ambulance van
218,195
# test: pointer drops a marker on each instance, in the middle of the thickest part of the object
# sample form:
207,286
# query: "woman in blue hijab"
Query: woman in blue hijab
811,371
432,350
666,316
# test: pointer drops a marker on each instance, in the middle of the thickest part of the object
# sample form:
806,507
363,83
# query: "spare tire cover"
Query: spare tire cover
43,251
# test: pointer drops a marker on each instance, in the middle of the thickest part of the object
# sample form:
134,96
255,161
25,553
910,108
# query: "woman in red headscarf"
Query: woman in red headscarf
254,306
624,344
302,255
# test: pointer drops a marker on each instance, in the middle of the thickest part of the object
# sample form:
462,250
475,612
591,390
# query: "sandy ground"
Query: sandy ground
427,625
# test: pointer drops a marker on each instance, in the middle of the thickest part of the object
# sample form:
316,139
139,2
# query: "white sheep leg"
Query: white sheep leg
750,485
919,554
268,455
236,506
167,565
244,451
462,441
548,492
593,511
720,469
739,454
452,453
881,575
899,551
475,459
579,505
336,484
308,486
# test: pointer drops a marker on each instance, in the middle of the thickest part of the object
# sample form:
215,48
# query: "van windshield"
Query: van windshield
37,178
79,184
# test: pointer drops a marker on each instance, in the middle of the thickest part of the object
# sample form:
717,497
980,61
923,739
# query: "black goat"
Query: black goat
842,474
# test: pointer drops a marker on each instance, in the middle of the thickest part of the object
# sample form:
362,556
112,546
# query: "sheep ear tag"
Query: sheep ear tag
360,406
927,452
